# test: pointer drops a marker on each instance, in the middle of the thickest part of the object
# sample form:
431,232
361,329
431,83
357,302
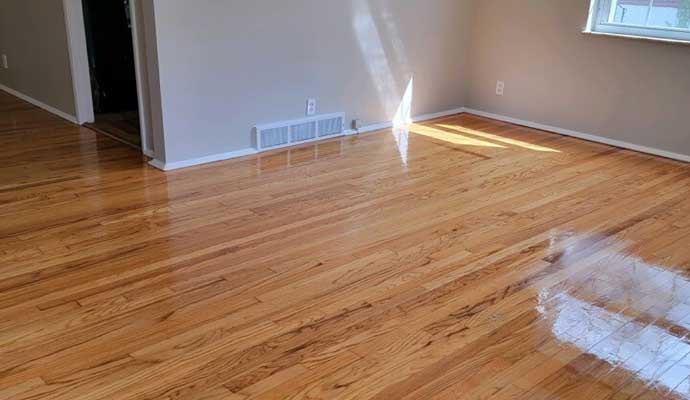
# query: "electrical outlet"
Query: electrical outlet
311,106
500,88
356,124
5,64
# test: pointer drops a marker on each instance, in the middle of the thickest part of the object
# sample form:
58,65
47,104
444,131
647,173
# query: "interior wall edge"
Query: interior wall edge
169,166
40,104
585,136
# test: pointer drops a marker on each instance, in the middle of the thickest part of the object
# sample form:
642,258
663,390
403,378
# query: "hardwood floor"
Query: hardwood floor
464,259
123,126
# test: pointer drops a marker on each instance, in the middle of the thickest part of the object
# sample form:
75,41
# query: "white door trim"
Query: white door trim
81,75
79,60
139,70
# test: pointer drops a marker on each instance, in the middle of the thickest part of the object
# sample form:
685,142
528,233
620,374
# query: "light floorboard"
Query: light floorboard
461,258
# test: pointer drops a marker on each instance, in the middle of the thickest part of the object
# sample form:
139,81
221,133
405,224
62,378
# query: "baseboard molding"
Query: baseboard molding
584,136
165,166
370,128
419,118
40,104
387,125
427,117
246,152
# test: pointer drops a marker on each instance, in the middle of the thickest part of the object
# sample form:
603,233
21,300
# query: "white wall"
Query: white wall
227,65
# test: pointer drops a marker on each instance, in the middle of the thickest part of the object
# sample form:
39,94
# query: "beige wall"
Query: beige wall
228,65
34,37
629,90
217,68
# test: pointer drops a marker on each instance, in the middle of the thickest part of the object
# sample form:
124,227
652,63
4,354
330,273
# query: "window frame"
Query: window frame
600,14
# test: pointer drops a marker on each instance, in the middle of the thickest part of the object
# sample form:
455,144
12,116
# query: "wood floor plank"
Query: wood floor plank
483,260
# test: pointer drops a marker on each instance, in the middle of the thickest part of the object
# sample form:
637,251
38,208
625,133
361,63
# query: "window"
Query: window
662,19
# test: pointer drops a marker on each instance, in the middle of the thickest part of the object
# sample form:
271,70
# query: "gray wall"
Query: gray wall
228,65
630,90
34,37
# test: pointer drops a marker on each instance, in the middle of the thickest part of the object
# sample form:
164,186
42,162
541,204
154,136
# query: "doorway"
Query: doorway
111,56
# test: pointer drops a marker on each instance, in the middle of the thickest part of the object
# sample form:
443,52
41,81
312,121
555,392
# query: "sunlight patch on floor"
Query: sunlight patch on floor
453,138
498,138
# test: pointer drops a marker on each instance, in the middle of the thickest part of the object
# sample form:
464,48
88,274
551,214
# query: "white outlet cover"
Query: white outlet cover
4,61
311,106
500,88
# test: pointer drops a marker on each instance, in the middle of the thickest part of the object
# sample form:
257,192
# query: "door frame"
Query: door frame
81,74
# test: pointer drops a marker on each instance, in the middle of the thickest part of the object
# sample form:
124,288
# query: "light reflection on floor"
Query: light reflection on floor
297,156
653,348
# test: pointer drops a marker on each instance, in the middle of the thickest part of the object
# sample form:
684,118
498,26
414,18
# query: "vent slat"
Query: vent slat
330,127
274,137
301,131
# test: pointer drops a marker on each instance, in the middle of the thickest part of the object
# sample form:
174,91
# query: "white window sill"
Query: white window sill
645,38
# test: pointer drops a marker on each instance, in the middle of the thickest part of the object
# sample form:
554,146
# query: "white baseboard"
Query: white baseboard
370,128
584,136
40,104
419,118
387,125
201,160
441,114
246,152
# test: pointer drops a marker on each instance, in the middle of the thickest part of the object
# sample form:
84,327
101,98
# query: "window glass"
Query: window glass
662,19
631,12
670,14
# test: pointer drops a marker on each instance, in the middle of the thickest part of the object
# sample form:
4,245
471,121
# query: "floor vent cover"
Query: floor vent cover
289,133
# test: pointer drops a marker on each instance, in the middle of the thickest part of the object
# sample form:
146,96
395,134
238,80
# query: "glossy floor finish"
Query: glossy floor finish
462,259
123,126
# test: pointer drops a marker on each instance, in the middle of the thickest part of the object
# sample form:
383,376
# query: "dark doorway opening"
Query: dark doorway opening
110,46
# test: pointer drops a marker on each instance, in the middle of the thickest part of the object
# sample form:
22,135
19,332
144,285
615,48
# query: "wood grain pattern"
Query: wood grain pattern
463,258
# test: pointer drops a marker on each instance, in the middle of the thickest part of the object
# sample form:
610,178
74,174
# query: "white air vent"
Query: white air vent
330,126
289,133
303,132
275,137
